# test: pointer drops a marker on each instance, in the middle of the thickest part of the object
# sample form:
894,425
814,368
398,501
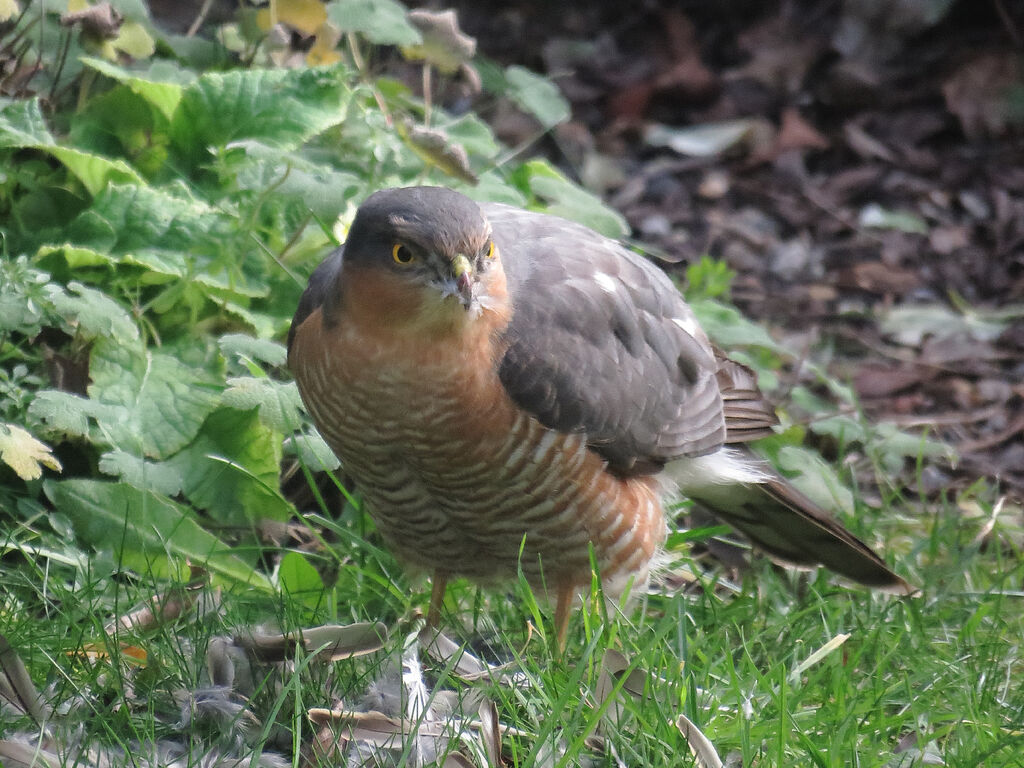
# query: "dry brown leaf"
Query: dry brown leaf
444,45
99,21
980,93
434,148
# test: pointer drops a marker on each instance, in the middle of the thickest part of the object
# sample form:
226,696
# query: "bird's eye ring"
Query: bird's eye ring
402,254
492,250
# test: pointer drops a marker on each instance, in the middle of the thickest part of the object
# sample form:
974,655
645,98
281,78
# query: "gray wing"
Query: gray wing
601,343
318,291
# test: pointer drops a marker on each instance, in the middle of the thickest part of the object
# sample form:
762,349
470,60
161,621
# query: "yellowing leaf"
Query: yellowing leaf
135,41
23,453
8,9
324,50
304,15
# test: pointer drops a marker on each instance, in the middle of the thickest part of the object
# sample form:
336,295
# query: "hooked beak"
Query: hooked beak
462,270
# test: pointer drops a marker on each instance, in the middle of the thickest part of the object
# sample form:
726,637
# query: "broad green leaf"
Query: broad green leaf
565,199
231,469
297,578
158,477
22,125
24,454
380,21
73,256
95,172
244,346
320,189
65,413
474,135
126,519
127,218
312,451
894,447
728,328
811,475
95,313
537,95
843,429
493,187
281,108
157,403
911,324
278,403
162,94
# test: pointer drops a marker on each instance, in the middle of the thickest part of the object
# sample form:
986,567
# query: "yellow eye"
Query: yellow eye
492,250
402,255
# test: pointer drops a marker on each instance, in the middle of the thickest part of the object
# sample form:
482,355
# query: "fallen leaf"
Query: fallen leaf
444,45
24,454
984,94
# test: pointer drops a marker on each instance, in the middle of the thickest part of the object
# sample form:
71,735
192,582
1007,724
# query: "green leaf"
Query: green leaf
95,313
380,21
129,520
727,328
281,108
297,578
810,474
22,125
312,451
843,429
95,172
231,469
243,346
163,89
72,255
537,95
571,202
474,135
157,404
127,218
159,477
278,403
318,188
67,414
894,446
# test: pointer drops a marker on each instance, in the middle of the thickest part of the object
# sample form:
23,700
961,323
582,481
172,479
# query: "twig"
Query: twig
200,18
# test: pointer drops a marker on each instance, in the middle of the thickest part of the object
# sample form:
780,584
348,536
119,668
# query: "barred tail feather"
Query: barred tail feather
776,517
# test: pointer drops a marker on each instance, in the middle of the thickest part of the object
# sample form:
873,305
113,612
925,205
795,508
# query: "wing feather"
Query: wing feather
602,343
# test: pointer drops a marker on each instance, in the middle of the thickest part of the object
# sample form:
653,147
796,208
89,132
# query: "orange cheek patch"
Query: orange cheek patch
373,297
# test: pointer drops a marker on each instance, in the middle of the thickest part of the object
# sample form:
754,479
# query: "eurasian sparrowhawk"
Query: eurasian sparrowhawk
508,388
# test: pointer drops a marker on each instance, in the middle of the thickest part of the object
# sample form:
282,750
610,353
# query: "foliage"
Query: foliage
162,200
156,210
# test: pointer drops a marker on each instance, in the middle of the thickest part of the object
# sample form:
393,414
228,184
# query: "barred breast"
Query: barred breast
455,475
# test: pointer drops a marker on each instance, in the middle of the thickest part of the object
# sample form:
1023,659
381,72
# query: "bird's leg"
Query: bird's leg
563,607
439,583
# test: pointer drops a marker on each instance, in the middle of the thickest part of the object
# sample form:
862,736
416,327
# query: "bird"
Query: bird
511,391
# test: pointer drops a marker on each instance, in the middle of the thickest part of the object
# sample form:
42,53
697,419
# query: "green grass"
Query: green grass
941,671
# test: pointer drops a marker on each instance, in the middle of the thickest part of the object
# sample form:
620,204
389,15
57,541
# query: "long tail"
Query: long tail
779,519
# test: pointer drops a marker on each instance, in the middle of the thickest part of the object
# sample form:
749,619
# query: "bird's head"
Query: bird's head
430,245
